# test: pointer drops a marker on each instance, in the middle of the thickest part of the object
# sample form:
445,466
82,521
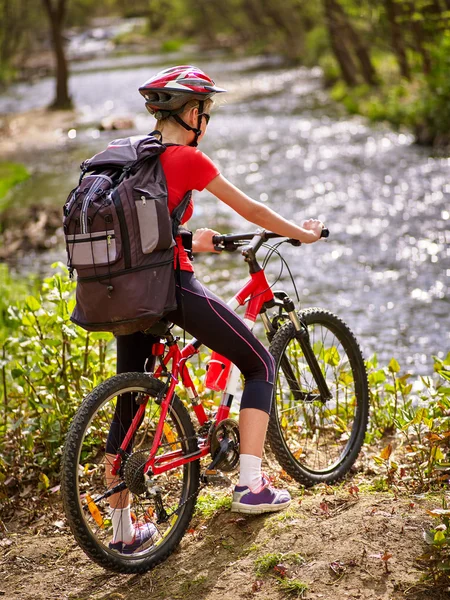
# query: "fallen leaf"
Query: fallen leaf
354,490
337,567
386,452
280,570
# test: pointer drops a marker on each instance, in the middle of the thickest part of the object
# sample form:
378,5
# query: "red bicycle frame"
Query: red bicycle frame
255,293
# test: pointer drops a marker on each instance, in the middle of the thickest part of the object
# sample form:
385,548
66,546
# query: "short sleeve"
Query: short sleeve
202,171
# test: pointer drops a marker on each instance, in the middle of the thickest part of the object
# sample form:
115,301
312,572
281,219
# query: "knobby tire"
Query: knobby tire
318,442
83,470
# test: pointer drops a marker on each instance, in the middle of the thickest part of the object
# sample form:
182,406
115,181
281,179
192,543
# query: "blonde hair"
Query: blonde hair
208,104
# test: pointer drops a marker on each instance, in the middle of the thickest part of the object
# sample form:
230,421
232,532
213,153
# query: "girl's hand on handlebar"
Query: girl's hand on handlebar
202,240
315,227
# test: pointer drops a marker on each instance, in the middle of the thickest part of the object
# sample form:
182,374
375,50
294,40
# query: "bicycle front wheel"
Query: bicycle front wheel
94,438
313,439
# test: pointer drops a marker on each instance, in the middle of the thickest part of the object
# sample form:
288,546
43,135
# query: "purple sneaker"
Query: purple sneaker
263,500
144,532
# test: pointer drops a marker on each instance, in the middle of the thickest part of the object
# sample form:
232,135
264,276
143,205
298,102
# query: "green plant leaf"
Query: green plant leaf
439,537
393,366
32,303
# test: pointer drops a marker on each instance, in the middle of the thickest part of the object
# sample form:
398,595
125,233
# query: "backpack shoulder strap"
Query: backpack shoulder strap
178,212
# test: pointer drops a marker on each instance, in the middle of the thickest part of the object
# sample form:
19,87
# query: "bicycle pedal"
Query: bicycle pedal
214,477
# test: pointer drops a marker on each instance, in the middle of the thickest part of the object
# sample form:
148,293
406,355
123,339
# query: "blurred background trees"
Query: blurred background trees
386,58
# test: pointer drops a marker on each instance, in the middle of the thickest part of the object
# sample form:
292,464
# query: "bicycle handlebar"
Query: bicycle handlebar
232,241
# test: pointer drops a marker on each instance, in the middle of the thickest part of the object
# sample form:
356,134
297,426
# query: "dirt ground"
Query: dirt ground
331,541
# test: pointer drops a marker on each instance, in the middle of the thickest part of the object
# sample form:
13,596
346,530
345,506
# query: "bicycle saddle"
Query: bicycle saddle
159,329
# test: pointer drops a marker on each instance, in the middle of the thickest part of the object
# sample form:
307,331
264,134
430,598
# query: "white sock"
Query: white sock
250,471
123,529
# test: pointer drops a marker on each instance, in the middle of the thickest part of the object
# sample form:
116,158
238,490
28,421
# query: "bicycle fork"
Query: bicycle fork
302,336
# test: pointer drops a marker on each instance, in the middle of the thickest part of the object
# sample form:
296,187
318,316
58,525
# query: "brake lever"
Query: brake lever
225,247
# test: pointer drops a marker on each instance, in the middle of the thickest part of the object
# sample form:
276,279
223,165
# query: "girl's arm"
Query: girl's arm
261,215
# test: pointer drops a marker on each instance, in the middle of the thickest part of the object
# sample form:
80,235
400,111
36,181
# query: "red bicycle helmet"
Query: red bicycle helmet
171,89
168,91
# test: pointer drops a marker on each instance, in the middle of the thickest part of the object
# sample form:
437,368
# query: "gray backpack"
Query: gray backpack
120,238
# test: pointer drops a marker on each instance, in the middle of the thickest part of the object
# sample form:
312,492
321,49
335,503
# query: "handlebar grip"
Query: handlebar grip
325,233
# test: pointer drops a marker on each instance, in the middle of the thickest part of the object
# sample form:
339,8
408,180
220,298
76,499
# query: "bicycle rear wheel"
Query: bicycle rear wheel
317,441
85,462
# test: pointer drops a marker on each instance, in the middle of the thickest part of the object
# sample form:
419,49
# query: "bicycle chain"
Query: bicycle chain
202,486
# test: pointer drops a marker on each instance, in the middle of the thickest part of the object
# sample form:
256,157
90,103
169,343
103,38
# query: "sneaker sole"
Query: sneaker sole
259,509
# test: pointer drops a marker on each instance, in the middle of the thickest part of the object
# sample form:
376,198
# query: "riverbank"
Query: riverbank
34,130
33,227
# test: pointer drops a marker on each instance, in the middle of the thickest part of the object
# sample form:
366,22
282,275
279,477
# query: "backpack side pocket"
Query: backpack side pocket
153,220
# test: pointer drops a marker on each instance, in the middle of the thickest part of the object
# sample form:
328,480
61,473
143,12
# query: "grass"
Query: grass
188,585
281,519
210,503
10,175
252,548
293,587
267,562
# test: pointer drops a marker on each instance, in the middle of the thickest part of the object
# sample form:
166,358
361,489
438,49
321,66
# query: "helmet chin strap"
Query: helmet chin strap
197,131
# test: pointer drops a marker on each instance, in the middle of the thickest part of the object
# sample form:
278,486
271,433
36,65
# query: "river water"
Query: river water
386,266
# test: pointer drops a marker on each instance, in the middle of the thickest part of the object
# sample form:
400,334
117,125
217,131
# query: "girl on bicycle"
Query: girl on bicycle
180,98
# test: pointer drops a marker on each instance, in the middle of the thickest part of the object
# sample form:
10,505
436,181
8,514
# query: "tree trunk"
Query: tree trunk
362,54
340,50
56,10
397,38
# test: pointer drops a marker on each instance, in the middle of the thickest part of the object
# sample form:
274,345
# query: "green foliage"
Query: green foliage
436,559
267,562
419,411
421,104
173,45
10,175
294,587
316,45
278,565
210,503
48,366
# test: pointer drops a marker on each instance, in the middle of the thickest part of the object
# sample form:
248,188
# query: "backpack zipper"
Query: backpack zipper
94,238
125,271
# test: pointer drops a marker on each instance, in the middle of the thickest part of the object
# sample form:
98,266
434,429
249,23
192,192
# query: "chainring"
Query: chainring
133,472
228,428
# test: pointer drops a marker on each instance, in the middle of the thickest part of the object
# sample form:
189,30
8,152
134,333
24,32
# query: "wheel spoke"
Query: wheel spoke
317,441
94,439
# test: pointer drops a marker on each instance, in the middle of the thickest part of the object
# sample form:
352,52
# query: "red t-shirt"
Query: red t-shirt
185,168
